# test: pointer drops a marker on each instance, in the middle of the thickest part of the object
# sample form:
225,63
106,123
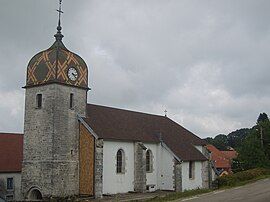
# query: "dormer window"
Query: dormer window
71,101
39,101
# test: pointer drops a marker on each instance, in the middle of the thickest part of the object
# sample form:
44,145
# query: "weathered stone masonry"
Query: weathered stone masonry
51,137
99,168
206,170
139,167
177,176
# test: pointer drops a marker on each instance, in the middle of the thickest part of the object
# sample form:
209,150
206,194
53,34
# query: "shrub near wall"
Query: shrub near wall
234,179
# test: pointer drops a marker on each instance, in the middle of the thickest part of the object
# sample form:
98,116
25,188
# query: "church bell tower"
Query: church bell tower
55,94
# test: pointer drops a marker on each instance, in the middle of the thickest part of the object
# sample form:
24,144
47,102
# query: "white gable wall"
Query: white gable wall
163,169
166,172
114,182
195,183
152,177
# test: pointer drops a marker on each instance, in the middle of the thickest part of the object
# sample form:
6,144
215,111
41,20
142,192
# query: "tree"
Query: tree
262,118
221,142
263,133
252,145
233,139
255,149
210,140
251,154
236,138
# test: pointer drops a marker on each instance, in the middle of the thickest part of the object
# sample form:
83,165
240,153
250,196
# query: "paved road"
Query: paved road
255,192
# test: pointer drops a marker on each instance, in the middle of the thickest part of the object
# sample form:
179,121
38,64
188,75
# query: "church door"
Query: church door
87,152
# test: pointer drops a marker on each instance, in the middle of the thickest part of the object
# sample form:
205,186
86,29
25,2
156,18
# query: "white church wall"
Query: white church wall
14,193
166,169
117,182
195,182
152,177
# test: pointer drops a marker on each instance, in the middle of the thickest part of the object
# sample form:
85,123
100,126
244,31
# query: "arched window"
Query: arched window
120,164
149,161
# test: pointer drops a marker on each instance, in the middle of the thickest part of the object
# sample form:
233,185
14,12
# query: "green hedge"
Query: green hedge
233,179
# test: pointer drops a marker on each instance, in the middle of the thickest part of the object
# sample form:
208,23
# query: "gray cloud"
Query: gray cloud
206,62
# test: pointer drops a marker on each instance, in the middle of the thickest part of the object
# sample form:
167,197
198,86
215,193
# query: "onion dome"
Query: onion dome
57,65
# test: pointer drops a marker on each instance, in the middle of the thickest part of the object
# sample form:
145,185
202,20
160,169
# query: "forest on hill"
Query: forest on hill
251,144
233,139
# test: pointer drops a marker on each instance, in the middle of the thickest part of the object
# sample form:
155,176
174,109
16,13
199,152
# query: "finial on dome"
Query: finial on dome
58,36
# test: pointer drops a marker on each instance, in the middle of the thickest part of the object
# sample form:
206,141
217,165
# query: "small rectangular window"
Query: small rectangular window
9,198
191,169
71,101
10,183
39,101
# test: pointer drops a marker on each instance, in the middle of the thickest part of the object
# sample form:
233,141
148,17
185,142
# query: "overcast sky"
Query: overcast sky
205,61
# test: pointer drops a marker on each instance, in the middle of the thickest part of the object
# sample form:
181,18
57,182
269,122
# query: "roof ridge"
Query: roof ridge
10,133
121,124
127,110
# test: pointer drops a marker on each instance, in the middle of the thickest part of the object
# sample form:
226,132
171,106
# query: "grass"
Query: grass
242,183
242,178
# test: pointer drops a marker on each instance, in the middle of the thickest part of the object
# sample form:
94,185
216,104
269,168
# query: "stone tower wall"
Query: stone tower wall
51,139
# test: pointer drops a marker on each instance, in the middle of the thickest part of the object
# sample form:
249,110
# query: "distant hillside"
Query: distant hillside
233,139
252,145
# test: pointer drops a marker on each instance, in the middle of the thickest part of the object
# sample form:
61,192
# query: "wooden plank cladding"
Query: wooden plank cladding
87,148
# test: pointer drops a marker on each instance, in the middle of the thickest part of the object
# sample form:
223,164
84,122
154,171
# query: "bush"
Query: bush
233,179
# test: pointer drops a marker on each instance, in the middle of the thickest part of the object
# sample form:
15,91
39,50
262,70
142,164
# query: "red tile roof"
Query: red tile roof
232,154
11,152
219,159
119,124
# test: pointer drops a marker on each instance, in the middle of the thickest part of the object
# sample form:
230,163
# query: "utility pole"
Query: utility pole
261,133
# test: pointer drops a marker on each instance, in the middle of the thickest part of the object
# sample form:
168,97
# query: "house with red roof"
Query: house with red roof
222,160
11,156
230,154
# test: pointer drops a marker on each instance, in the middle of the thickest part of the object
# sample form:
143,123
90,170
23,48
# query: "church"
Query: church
72,148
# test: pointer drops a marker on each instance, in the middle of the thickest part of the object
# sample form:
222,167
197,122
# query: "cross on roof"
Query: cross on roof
165,113
59,35
60,11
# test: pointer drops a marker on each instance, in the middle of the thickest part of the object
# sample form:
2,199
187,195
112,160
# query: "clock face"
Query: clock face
72,74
